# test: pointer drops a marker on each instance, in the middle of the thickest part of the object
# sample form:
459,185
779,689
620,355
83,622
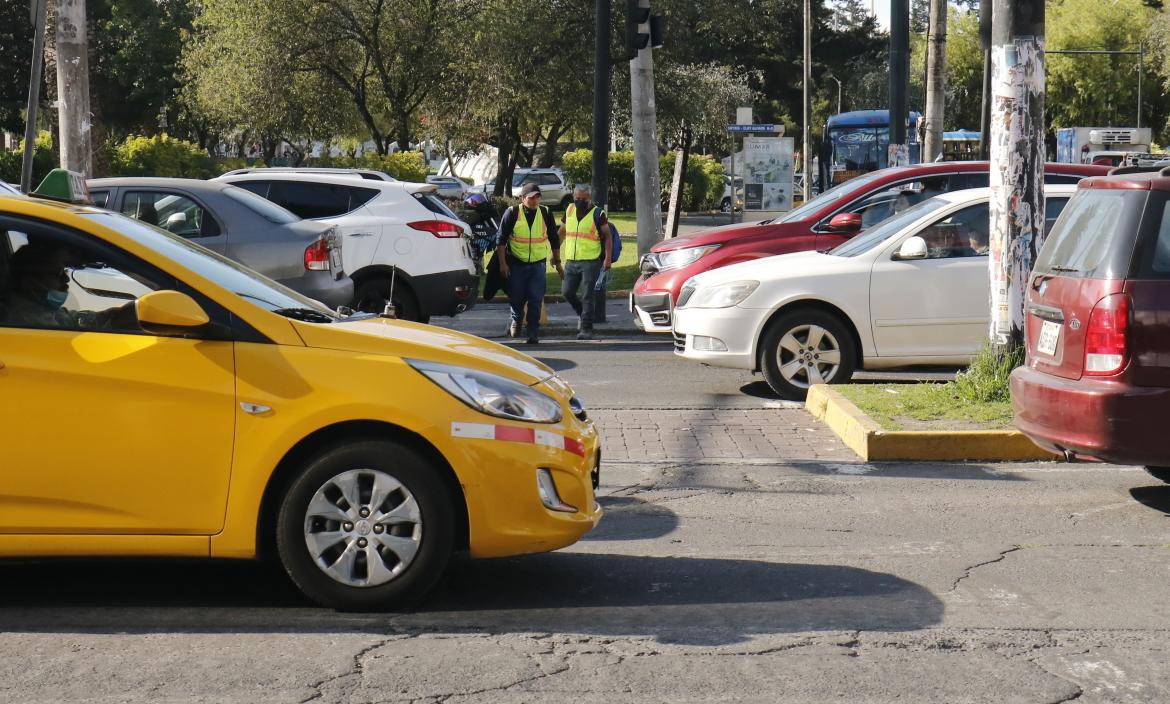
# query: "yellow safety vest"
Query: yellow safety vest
582,241
529,243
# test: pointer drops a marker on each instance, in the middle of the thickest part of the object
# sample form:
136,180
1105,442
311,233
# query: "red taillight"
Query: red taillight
317,256
1106,346
438,228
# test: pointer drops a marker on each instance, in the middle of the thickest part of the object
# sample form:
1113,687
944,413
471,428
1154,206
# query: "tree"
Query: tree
15,55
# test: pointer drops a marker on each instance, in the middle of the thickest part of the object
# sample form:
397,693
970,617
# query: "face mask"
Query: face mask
56,299
582,206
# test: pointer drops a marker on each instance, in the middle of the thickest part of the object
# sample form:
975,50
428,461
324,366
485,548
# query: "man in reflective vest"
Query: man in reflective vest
528,236
588,248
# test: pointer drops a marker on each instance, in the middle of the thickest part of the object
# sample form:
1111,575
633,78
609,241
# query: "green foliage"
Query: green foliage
578,166
15,47
894,406
161,155
44,160
404,166
702,185
986,380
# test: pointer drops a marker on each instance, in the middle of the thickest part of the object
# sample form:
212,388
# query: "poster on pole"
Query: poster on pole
767,173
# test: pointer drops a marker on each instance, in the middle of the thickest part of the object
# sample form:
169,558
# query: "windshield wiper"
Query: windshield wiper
307,315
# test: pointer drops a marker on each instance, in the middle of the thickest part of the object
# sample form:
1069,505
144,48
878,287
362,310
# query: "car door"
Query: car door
177,212
106,429
937,306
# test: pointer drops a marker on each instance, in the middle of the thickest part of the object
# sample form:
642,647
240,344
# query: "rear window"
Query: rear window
1094,236
435,204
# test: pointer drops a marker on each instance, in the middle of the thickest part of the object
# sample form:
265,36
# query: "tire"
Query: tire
1160,473
331,564
788,360
371,296
725,205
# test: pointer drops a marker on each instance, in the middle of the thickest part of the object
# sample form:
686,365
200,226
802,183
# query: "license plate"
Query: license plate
335,260
1049,336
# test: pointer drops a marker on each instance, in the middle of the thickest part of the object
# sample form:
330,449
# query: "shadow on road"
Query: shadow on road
1155,497
675,599
629,518
557,364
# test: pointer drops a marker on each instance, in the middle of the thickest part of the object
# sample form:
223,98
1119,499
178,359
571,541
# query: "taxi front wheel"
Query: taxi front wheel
366,526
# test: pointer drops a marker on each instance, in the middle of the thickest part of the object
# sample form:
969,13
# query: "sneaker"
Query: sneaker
532,340
585,334
514,329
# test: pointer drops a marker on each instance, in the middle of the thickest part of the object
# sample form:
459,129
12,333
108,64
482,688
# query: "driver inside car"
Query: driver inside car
39,278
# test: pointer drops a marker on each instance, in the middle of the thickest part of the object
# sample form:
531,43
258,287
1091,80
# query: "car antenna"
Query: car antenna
391,310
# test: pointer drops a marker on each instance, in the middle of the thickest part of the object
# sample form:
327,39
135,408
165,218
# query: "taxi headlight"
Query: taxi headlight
490,393
723,295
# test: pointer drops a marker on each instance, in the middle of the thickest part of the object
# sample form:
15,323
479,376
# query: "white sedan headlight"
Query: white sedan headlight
722,295
678,258
491,394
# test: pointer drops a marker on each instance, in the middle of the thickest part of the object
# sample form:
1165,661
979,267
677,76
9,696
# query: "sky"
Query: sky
882,8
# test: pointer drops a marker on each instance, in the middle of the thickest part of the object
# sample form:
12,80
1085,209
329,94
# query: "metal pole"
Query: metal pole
644,119
732,213
1017,164
1141,70
985,113
806,158
899,79
601,68
34,94
75,120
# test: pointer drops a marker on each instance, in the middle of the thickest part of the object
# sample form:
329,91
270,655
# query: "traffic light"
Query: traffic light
637,40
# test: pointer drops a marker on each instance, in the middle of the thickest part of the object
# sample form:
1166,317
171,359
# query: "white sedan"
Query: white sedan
912,290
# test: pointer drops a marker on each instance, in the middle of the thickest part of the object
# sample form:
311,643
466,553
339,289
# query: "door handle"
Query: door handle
361,234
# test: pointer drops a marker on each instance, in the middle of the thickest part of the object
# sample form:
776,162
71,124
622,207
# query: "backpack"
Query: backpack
617,241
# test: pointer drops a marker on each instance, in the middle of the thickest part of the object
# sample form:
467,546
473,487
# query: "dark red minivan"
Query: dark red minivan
1096,381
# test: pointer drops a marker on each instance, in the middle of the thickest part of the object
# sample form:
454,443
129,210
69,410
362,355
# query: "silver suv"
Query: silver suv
554,191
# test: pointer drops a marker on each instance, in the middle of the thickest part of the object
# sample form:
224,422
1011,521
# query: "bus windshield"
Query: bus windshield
857,150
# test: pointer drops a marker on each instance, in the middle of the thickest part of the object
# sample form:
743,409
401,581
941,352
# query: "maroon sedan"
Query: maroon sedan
824,222
1096,382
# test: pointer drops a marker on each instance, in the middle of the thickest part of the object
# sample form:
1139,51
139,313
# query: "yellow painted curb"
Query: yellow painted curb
865,437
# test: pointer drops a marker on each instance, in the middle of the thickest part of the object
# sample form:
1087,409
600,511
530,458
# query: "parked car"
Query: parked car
367,174
402,242
911,291
822,223
725,201
8,189
222,415
554,191
1096,381
303,255
450,186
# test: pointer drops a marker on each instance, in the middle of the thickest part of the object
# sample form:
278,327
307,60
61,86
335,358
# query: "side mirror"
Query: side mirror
912,248
169,313
845,223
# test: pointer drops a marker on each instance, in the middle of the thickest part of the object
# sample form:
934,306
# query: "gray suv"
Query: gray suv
301,254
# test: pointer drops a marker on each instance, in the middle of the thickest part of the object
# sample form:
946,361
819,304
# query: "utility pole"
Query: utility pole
601,67
805,156
936,81
73,87
985,47
899,80
35,76
1017,163
644,120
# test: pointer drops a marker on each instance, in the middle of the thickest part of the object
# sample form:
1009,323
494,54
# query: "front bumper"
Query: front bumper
735,327
653,310
1102,419
506,515
446,293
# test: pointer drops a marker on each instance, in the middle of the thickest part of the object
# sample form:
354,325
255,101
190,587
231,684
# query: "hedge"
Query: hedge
702,190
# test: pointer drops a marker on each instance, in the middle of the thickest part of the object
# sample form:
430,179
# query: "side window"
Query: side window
1061,179
260,188
894,199
171,211
360,196
100,198
1052,210
548,180
961,234
310,200
61,279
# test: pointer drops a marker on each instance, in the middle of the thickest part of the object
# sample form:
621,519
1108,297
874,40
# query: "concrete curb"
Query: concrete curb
872,443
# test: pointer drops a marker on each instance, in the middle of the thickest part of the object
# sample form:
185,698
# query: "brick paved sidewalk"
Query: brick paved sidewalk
774,433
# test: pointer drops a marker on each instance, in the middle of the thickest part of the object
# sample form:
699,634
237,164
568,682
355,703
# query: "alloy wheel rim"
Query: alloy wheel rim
807,355
363,528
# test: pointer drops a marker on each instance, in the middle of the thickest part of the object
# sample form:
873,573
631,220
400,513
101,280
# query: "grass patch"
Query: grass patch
980,394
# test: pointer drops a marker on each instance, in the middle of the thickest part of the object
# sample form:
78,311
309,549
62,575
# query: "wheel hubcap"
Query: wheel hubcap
363,528
808,354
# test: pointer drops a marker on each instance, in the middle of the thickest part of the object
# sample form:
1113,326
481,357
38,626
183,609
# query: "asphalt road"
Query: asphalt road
754,580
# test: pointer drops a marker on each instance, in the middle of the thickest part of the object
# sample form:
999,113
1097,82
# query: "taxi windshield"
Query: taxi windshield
240,280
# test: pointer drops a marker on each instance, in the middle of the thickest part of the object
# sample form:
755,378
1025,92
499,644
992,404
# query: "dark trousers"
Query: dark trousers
526,285
578,272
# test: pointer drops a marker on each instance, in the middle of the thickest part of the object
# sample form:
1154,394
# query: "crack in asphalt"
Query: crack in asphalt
356,671
999,558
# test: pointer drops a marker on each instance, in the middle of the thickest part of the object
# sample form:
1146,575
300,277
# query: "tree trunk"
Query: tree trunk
550,144
402,131
936,81
1017,163
504,149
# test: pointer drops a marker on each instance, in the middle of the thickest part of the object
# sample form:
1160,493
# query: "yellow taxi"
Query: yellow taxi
159,399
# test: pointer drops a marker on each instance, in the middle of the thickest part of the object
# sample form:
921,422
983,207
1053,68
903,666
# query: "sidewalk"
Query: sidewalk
490,320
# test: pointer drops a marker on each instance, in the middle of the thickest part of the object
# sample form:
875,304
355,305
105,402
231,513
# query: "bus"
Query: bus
858,142
961,145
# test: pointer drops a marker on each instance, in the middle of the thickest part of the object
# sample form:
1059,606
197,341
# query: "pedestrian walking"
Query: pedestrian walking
528,238
588,250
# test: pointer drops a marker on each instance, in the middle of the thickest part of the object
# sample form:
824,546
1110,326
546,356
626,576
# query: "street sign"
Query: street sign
751,128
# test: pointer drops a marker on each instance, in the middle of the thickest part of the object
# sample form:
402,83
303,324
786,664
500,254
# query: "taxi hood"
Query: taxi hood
401,338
